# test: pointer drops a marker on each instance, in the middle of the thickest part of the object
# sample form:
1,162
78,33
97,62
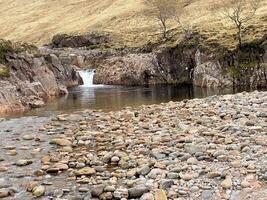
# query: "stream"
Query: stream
17,129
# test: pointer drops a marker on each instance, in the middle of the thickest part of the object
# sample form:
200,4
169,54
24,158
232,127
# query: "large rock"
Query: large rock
33,80
142,69
87,40
208,72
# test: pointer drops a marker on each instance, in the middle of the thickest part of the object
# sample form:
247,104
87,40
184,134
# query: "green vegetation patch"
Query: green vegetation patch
5,48
4,71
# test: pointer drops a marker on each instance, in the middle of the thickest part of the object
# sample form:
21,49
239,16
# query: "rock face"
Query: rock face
158,67
132,69
210,73
90,39
32,80
186,62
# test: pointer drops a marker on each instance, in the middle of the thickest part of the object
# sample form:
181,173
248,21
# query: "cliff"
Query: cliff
190,61
28,81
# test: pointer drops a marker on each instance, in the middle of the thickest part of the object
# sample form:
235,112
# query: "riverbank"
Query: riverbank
212,148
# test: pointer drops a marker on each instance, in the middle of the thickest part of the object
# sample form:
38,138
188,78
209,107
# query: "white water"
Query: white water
87,76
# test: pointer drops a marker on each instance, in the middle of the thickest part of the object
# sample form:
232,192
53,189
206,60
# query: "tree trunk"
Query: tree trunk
239,36
164,30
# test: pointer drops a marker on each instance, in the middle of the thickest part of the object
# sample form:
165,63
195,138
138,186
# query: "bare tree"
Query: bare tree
166,10
240,12
177,10
162,10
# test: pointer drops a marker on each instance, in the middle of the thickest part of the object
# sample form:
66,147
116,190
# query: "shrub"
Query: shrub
5,48
4,72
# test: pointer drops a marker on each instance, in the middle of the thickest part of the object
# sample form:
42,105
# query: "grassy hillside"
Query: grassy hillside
131,21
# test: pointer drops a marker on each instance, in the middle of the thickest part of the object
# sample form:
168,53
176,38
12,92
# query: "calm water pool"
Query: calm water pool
110,98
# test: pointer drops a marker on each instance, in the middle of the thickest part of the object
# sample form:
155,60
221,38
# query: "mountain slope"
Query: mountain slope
131,21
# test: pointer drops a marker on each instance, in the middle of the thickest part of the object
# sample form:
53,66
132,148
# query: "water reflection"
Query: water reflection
110,98
116,97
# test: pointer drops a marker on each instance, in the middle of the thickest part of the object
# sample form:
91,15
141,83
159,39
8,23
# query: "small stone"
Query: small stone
131,173
3,169
173,175
86,171
28,137
155,172
38,191
186,176
165,184
194,148
115,159
160,195
213,174
106,195
96,190
58,193
147,196
23,162
245,184
227,183
61,142
121,193
12,152
83,189
109,188
4,193
137,191
207,194
144,170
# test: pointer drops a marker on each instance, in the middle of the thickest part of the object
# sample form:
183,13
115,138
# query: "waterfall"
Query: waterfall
87,76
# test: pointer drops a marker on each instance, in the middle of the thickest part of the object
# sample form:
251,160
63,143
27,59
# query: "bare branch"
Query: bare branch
239,12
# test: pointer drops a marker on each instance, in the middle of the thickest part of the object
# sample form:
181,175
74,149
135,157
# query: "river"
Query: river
112,98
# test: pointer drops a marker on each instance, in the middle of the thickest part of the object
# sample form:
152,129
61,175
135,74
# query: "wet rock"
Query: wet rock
58,193
23,162
115,159
3,169
85,171
97,190
28,137
61,142
4,193
165,184
38,191
137,191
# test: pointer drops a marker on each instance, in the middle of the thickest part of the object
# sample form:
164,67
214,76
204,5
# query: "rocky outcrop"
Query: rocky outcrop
187,62
209,73
162,66
87,40
32,80
132,69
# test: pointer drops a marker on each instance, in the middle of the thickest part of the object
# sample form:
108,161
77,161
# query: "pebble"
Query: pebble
227,183
23,162
160,195
137,191
38,191
198,149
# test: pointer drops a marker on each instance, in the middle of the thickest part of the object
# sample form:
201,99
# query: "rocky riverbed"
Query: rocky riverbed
212,148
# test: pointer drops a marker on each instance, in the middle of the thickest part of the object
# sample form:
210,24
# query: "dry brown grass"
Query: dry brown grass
129,21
